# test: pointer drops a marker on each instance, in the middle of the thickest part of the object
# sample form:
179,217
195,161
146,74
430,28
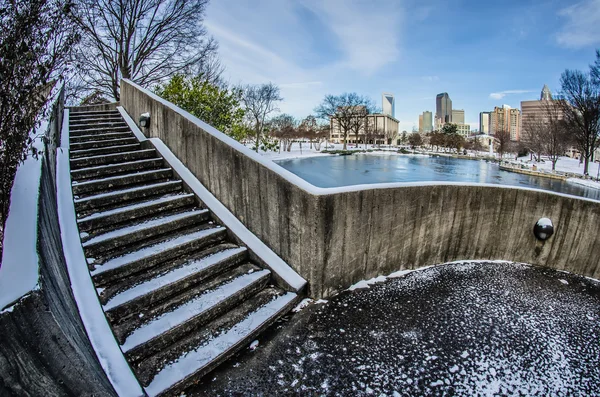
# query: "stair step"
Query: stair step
104,150
112,158
76,113
79,116
120,180
142,231
172,320
99,144
119,302
190,359
100,137
134,211
121,196
101,126
118,168
111,118
150,256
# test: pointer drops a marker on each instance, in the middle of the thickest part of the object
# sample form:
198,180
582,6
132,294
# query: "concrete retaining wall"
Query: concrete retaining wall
336,237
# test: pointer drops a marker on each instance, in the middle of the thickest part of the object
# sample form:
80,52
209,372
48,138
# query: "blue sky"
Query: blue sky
484,54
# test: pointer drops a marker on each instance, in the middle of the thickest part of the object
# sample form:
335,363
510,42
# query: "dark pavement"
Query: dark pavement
465,329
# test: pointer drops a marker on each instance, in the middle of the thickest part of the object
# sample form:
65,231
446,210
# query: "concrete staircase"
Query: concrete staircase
180,296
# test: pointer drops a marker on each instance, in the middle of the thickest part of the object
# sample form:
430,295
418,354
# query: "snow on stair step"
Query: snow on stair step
119,214
109,169
147,252
90,120
82,128
141,227
100,137
120,180
193,361
105,143
110,158
134,192
104,150
190,309
172,276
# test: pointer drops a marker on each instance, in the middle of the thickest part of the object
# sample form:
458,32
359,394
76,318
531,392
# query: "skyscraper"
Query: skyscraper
484,122
427,121
443,108
508,119
546,94
388,104
458,116
420,123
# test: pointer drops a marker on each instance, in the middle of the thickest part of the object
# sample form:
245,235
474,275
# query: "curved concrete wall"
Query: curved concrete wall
336,237
44,348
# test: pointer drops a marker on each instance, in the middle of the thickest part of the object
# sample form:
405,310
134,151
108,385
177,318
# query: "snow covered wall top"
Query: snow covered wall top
337,237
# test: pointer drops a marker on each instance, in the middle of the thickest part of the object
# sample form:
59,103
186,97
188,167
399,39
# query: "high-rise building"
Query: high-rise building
420,123
546,94
532,110
484,122
388,104
508,119
427,121
458,116
443,108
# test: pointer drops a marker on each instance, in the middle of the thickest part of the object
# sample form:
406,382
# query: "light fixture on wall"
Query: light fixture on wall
543,229
145,120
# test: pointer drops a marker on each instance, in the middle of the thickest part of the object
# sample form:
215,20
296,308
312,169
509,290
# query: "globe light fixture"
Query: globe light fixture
145,120
543,229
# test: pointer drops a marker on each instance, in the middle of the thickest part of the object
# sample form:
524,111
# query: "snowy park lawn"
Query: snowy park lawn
566,164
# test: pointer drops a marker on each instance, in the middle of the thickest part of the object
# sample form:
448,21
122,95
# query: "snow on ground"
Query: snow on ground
473,329
564,164
305,151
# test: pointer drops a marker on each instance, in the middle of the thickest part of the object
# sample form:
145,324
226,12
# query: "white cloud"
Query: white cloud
367,34
502,94
430,78
582,25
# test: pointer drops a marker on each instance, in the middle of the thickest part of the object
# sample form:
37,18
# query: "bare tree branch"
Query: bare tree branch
147,41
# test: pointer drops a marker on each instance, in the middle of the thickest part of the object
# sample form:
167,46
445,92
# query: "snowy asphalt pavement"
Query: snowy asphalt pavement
464,329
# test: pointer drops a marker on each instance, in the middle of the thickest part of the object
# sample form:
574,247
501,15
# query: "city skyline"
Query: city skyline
311,49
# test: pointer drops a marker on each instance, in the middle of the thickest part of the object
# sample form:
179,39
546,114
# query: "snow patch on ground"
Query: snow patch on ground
304,303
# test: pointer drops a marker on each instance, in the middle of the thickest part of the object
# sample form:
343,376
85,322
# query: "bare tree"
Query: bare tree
581,109
144,40
534,129
308,129
502,138
283,127
345,112
556,136
260,101
322,134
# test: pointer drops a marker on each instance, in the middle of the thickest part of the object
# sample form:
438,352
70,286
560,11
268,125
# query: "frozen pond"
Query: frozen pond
334,171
